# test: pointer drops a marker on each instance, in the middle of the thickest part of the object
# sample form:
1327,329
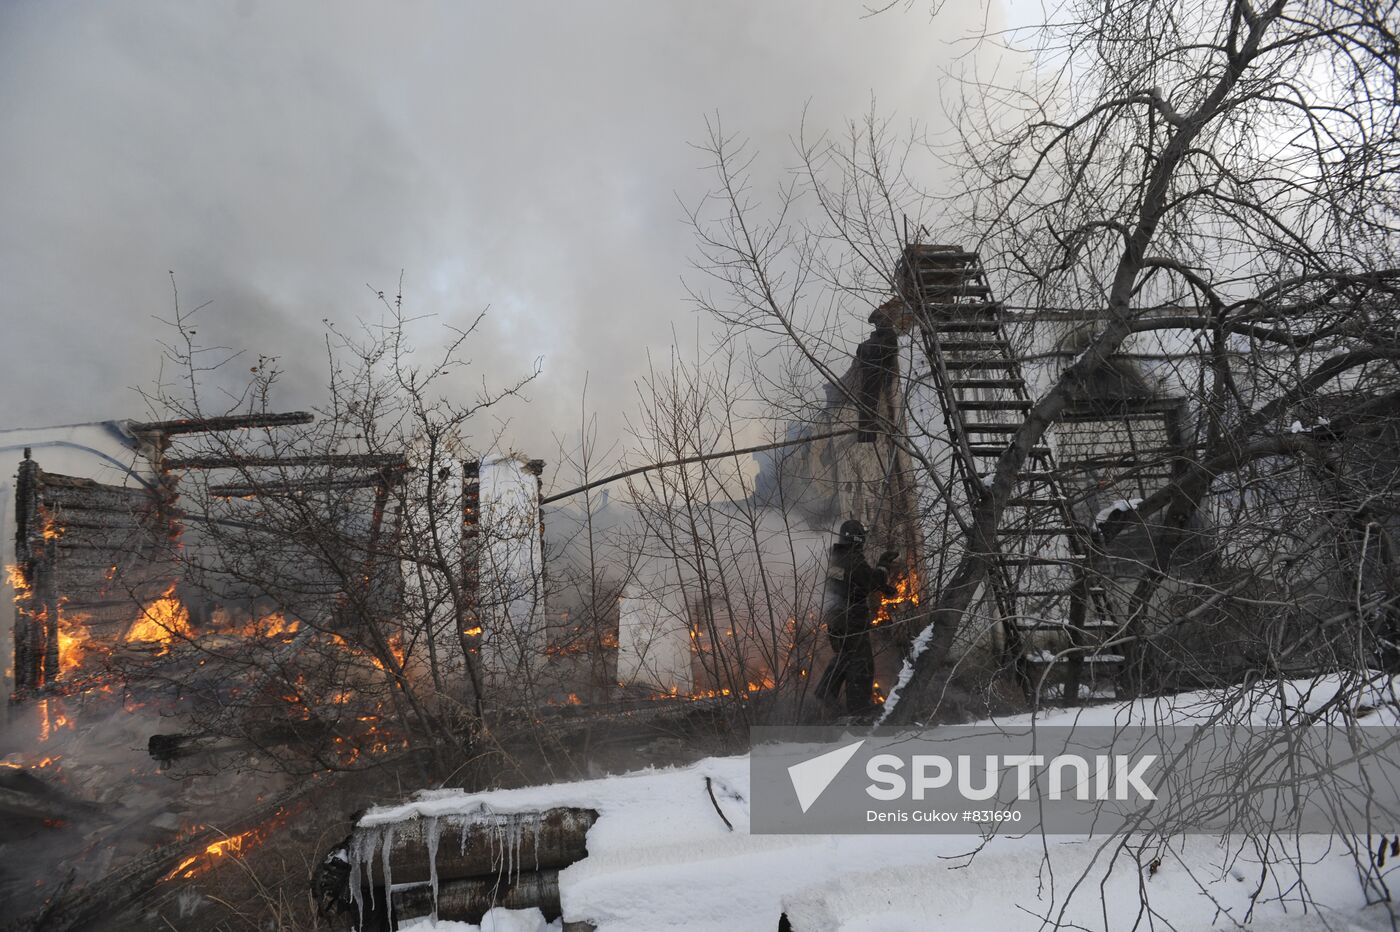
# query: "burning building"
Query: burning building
912,431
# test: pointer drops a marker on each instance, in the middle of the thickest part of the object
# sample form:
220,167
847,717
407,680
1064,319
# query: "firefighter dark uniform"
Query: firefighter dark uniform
850,584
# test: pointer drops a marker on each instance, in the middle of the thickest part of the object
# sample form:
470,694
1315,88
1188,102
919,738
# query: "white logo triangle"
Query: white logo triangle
811,777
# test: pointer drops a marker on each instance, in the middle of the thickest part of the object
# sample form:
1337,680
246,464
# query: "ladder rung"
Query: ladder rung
1037,532
966,346
1036,476
985,383
985,427
923,253
957,272
978,364
1087,417
966,326
1027,502
1096,463
965,310
959,287
1010,404
1057,592
996,449
1067,560
1087,658
1045,592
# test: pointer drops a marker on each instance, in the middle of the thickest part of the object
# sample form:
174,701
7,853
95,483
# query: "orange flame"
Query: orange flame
906,590
162,621
271,625
395,647
51,718
73,639
191,866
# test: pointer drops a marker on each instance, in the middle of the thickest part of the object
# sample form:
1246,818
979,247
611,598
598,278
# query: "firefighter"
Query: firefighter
876,362
850,584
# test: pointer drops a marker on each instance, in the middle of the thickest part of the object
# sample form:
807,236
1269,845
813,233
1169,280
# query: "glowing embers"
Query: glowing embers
161,622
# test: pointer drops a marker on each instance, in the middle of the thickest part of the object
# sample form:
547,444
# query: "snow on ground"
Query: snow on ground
661,858
497,920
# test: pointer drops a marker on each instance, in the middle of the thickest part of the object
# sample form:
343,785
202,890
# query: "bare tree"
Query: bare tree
1208,181
1222,158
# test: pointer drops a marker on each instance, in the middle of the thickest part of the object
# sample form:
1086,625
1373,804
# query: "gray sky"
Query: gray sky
278,157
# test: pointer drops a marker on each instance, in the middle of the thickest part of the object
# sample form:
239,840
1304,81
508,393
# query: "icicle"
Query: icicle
368,843
431,832
537,823
362,869
512,839
388,840
496,835
356,894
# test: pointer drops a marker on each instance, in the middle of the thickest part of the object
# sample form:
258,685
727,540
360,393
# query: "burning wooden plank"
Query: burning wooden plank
295,487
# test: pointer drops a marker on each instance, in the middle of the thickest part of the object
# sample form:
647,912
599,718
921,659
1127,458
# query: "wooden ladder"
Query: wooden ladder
1055,617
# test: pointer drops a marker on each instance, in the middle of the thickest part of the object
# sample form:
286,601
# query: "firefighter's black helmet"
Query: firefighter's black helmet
852,532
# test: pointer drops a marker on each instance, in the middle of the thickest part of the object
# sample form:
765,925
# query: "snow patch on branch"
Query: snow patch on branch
1123,504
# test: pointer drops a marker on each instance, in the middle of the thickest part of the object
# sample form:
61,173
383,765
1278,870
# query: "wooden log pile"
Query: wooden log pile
456,867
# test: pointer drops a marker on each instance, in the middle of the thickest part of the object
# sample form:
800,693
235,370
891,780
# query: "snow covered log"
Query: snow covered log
465,863
467,900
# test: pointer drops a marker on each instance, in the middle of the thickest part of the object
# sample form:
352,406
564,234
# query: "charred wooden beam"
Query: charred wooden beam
296,488
168,748
97,521
70,492
337,460
27,517
147,548
153,589
56,481
99,504
36,596
203,425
